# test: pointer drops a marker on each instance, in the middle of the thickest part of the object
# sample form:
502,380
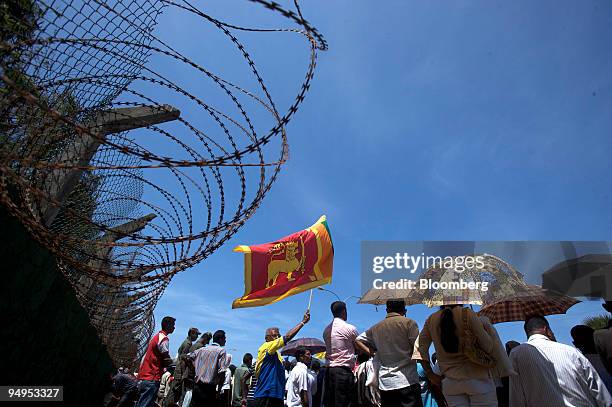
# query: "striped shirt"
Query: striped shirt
253,385
553,374
210,363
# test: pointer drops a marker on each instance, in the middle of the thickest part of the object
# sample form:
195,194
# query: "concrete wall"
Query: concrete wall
46,334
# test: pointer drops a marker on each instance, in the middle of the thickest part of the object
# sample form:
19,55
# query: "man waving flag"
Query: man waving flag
291,265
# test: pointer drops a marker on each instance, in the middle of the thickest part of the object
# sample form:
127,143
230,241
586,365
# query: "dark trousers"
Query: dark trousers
267,402
409,396
147,391
340,388
204,395
226,399
503,393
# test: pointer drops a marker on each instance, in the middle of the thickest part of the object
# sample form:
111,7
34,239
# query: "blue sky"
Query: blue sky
426,120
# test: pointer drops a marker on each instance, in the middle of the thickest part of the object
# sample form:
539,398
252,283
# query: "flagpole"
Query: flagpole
309,300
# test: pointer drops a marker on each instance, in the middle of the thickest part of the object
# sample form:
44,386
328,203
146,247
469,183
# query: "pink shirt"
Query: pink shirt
339,339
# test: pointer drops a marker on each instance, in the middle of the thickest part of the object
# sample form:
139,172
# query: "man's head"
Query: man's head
538,325
272,334
219,337
511,345
247,359
193,334
397,306
168,324
582,336
338,309
303,355
315,365
205,338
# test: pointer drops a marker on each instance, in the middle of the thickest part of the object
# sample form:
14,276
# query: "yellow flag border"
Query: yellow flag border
247,266
245,303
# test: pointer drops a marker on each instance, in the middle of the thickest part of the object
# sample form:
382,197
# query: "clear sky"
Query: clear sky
426,120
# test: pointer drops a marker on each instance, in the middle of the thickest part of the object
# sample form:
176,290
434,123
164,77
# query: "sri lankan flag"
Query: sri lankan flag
291,265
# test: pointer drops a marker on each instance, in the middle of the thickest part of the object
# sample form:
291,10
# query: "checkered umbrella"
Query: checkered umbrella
539,302
314,345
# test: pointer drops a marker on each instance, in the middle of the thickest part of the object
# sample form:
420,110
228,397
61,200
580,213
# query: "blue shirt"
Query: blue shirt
270,371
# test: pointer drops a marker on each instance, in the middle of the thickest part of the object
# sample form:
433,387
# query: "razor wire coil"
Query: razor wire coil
126,173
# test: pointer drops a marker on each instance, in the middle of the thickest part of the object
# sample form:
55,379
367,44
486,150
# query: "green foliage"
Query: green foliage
598,321
18,20
27,130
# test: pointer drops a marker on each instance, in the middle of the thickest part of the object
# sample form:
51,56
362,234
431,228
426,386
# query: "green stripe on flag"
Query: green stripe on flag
329,233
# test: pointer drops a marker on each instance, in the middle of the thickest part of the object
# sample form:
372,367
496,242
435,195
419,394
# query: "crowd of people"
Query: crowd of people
388,364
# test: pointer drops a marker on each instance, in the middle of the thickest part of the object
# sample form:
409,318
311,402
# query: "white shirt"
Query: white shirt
370,369
312,383
298,381
553,374
228,380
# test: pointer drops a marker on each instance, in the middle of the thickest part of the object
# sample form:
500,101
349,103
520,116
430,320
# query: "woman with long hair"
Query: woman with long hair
455,332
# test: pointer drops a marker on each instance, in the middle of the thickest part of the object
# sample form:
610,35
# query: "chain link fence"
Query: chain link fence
125,155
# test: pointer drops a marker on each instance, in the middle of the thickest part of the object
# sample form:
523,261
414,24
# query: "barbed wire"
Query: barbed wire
125,156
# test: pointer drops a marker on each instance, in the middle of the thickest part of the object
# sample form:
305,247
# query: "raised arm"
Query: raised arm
293,331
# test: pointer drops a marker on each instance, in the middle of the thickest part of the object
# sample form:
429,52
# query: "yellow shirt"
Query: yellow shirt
268,348
269,371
